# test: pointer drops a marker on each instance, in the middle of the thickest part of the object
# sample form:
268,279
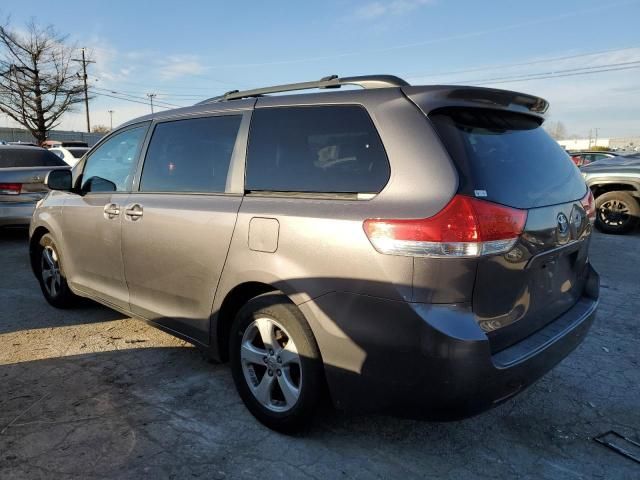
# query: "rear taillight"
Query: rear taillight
10,188
589,205
466,227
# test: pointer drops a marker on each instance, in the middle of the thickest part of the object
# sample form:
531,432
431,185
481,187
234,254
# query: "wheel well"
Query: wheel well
33,244
611,187
232,303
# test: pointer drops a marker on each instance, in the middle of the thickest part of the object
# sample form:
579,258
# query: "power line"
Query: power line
561,75
137,97
169,95
128,100
568,70
521,64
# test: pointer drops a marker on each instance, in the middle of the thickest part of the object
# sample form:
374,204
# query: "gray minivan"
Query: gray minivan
420,250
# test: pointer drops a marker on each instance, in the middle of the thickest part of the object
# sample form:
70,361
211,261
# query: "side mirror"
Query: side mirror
58,180
98,184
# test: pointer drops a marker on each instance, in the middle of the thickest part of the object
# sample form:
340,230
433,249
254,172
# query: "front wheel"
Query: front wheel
276,364
617,212
51,276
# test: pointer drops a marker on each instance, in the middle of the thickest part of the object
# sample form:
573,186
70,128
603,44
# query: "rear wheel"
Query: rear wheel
276,363
617,212
52,280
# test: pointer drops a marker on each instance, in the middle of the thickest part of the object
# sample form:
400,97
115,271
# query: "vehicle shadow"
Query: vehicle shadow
165,413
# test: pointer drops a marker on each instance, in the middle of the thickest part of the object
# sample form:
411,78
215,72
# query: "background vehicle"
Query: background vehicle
66,143
418,249
22,173
586,157
615,183
70,155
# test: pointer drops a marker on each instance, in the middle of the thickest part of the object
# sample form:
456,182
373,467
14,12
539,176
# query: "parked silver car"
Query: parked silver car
421,250
22,173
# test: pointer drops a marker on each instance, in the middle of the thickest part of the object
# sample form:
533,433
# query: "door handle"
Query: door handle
111,210
134,211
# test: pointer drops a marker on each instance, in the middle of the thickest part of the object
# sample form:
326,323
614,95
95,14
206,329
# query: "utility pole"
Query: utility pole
110,119
151,95
596,137
84,62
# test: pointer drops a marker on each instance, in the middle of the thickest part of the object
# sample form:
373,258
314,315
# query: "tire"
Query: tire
617,212
51,275
283,387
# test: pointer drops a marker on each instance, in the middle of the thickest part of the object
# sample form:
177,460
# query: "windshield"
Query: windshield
507,158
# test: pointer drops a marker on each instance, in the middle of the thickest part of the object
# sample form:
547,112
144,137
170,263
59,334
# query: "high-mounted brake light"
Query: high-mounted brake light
589,205
466,227
10,188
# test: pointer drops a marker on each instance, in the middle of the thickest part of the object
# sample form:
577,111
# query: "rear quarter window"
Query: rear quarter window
507,158
324,149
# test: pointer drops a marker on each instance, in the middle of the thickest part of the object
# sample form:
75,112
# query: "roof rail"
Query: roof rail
332,81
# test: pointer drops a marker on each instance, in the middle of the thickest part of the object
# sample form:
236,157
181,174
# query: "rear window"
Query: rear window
324,149
507,158
28,157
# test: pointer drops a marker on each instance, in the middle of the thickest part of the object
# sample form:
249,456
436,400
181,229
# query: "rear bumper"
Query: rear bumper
432,361
18,213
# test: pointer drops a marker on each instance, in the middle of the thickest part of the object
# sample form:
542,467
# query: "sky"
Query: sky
583,56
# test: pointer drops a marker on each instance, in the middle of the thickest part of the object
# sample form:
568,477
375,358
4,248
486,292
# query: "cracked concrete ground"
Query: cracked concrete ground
87,393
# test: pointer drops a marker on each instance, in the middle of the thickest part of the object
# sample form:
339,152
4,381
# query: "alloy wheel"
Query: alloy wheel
50,271
271,364
614,212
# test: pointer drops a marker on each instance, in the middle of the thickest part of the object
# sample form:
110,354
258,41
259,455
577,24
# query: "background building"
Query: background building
620,143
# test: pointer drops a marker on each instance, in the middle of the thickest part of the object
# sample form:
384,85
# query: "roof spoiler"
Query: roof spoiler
432,97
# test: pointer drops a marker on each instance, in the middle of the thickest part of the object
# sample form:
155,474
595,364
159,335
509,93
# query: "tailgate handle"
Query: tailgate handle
134,211
111,210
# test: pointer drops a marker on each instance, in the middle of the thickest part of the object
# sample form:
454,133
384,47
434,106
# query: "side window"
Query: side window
190,155
110,167
325,149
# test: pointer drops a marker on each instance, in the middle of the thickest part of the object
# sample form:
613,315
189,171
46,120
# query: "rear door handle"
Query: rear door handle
111,210
134,211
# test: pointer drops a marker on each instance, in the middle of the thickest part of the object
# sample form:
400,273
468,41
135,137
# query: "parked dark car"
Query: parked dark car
615,183
586,157
22,174
420,250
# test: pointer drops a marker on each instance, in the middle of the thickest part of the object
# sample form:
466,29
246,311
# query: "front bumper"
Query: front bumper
18,213
432,361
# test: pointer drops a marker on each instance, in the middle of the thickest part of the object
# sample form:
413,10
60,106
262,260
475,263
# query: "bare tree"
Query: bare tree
37,81
100,129
557,130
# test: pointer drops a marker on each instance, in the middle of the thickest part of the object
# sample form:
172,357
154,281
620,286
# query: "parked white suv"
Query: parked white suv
70,155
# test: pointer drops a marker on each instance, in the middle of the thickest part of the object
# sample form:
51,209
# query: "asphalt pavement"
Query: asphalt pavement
88,393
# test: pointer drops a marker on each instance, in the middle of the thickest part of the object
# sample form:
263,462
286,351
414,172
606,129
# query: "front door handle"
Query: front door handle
111,210
134,211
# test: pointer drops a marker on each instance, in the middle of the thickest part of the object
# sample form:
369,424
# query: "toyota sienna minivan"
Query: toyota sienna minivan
418,250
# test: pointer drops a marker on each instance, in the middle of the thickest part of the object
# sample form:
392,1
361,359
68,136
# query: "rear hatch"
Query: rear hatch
506,158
